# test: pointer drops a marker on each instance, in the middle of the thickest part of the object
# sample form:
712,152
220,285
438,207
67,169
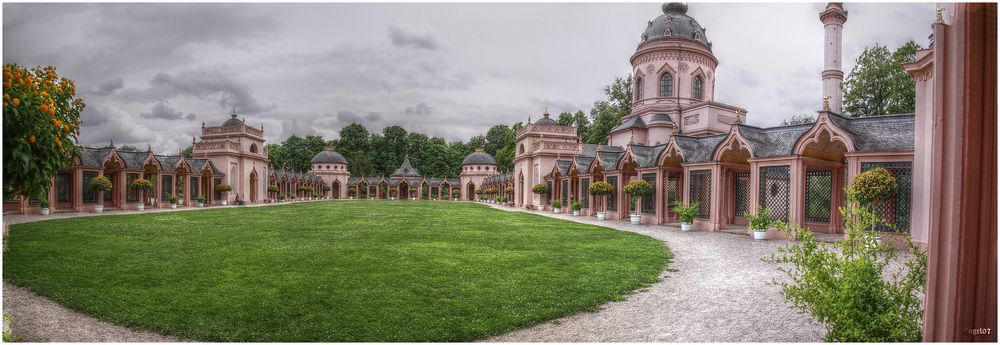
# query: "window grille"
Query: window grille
649,201
89,194
110,193
193,183
666,85
565,193
63,187
819,195
742,193
552,191
897,211
167,186
613,197
697,88
701,192
585,199
133,194
775,190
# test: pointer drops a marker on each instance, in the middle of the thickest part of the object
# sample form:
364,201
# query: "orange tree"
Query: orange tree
41,122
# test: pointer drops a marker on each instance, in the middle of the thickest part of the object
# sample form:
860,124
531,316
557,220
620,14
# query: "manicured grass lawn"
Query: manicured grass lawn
330,271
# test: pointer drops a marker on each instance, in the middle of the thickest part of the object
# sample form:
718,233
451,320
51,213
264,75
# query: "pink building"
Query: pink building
476,167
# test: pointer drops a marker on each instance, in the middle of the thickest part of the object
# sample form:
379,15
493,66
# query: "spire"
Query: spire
112,143
149,148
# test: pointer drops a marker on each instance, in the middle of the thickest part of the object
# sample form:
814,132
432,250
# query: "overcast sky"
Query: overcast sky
151,73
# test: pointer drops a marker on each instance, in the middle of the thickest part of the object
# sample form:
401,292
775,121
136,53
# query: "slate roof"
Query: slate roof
406,169
353,180
479,157
886,133
168,164
681,25
698,149
329,156
646,156
633,122
134,160
590,150
563,166
583,163
454,182
93,157
660,118
372,180
545,120
609,160
775,141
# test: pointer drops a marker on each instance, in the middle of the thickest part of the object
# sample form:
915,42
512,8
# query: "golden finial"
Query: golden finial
939,19
676,130
480,149
328,148
826,103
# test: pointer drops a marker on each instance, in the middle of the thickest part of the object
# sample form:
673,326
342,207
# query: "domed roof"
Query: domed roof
675,23
479,157
233,121
328,155
545,120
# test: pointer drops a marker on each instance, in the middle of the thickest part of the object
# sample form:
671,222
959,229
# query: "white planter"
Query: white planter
555,210
173,205
201,204
602,216
687,226
45,211
224,203
98,208
635,219
140,207
576,213
759,234
413,199
540,208
392,198
352,198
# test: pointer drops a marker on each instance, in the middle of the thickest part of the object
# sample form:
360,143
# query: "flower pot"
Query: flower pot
602,216
98,208
201,204
540,208
413,199
392,198
555,210
224,203
759,234
140,207
352,198
634,219
45,211
687,226
173,205
576,212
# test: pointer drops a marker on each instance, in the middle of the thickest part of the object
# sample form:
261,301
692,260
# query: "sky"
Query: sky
153,73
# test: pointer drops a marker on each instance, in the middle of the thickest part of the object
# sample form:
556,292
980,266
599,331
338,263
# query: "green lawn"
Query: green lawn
330,271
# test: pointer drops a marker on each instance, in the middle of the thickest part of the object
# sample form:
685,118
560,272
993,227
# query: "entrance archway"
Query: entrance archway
335,190
734,157
470,192
823,182
253,186
673,183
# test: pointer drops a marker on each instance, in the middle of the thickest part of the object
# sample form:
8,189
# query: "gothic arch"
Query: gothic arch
734,141
823,125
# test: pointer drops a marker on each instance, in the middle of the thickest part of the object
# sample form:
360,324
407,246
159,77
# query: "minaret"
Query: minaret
833,19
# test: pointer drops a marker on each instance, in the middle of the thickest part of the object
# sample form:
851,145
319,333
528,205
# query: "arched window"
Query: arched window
666,85
638,88
697,88
253,148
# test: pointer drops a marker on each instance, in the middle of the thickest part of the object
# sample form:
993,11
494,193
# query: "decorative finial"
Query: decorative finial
149,148
328,148
826,103
234,111
192,140
630,140
202,124
112,143
939,19
480,149
529,119
676,130
546,112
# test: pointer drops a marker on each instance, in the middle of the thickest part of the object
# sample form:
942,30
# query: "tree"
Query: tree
41,122
799,119
354,139
186,153
606,114
362,166
296,153
878,84
129,148
496,138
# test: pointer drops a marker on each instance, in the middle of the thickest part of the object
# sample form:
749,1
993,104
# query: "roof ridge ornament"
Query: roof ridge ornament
826,103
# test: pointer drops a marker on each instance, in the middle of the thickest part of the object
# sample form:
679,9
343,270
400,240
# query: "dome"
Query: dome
545,120
233,121
328,155
480,157
675,23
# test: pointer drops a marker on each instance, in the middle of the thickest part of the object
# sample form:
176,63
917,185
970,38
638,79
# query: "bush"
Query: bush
760,220
601,188
575,206
141,185
843,286
223,187
874,185
272,189
281,198
686,212
100,183
509,190
172,199
201,199
43,201
540,188
637,188
556,203
8,336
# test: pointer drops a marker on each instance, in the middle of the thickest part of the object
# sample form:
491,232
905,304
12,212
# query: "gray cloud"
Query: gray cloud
162,110
419,109
107,87
410,37
205,84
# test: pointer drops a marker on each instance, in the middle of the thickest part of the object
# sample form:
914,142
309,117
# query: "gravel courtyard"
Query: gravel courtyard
715,290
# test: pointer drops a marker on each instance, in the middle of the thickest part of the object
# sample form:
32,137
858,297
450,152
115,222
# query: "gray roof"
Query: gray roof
329,156
479,157
454,182
168,164
660,118
646,156
406,169
545,120
93,157
609,160
563,166
583,163
675,18
775,141
134,160
591,149
233,121
372,180
353,180
698,149
887,133
633,122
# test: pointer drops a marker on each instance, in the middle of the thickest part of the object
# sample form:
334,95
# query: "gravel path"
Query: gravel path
715,290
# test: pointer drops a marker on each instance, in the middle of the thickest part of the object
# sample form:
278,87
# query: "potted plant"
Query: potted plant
172,199
556,204
636,189
225,189
455,194
201,201
392,193
100,184
540,189
686,213
509,191
759,222
351,192
576,206
272,189
598,190
281,198
43,203
875,191
143,186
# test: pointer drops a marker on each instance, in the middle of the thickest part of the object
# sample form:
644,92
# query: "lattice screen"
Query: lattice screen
742,193
89,195
701,191
819,195
775,190
670,185
133,194
565,193
896,212
551,190
585,186
195,182
62,187
613,197
649,201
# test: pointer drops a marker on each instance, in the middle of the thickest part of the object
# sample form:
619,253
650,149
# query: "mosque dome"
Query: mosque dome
480,157
545,120
328,155
675,23
233,121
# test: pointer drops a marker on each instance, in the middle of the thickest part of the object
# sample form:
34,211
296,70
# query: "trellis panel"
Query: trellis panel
649,201
775,190
742,193
585,185
896,212
819,195
613,197
701,192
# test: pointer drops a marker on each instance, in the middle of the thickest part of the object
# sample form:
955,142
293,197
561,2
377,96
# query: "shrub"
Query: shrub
479,192
509,190
43,201
502,199
141,185
540,188
686,212
601,188
842,285
201,199
636,189
8,336
172,199
556,203
455,193
281,198
223,187
272,189
760,220
874,186
100,183
575,206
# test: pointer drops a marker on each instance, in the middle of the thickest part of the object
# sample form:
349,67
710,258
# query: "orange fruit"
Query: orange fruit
31,139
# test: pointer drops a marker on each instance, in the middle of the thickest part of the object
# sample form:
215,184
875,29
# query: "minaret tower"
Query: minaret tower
833,19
